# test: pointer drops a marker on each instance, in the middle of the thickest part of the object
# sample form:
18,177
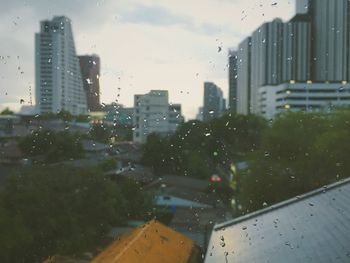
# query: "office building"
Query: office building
118,115
266,54
214,103
175,116
90,72
199,115
307,96
59,84
330,40
153,114
313,48
296,51
233,71
302,6
243,76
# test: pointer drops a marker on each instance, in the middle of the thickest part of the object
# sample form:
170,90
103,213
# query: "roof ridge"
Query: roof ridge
287,202
135,238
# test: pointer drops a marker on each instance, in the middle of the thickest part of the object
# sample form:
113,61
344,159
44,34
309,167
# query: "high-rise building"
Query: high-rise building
302,6
310,54
175,116
330,39
266,53
296,51
90,72
59,85
244,73
233,71
154,114
308,97
214,103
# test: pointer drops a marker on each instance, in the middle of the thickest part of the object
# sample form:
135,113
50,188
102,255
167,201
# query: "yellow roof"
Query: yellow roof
150,243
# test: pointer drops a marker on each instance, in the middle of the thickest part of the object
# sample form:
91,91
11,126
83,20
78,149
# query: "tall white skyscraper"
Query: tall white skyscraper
59,84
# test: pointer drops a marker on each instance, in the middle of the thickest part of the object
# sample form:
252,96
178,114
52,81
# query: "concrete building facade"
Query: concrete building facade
153,114
58,78
266,54
296,51
90,72
330,39
313,47
214,102
243,76
307,96
233,71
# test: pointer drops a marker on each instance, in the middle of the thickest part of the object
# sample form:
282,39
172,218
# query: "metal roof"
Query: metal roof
314,227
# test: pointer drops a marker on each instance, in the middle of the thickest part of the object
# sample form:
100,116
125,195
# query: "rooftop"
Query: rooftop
152,242
310,228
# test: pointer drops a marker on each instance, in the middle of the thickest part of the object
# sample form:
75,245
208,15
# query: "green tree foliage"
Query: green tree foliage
298,153
6,111
65,115
198,147
100,133
82,118
107,164
49,211
155,153
54,146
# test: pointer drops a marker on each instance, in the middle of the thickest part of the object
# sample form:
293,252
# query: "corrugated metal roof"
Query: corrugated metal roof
311,228
150,243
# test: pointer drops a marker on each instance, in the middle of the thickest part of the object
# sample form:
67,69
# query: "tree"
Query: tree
299,152
54,146
100,133
155,153
65,115
61,210
7,111
82,118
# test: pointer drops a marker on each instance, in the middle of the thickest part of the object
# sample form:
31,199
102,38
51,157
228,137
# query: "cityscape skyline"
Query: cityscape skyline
142,58
309,53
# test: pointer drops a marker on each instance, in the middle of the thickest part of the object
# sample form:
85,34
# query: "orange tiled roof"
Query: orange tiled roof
150,243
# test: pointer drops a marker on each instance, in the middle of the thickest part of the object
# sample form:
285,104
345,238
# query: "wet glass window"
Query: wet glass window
174,131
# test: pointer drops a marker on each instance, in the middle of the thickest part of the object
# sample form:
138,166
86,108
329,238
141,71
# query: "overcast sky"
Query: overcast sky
143,44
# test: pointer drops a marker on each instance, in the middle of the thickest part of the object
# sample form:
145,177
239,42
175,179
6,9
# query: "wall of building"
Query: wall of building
309,97
330,25
233,71
59,84
243,77
214,103
153,114
90,71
